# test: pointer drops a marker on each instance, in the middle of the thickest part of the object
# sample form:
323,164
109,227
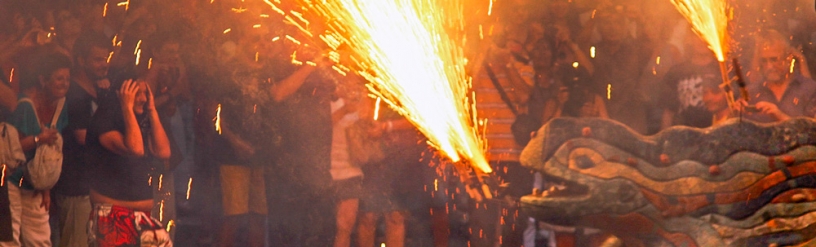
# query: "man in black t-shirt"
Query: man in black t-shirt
683,87
85,93
300,175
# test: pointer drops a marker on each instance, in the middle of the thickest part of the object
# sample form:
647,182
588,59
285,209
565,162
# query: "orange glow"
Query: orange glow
105,10
3,176
170,225
411,54
11,75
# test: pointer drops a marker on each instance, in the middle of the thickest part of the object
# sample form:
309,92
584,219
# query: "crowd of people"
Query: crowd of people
175,112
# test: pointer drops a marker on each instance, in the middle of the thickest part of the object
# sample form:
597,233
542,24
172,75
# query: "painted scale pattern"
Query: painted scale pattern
738,184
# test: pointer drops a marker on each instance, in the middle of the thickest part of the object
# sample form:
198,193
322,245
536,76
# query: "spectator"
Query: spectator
346,172
85,95
127,139
300,175
246,127
682,91
715,100
385,186
40,101
616,71
781,95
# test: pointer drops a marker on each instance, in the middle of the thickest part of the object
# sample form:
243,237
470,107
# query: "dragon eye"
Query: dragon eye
584,162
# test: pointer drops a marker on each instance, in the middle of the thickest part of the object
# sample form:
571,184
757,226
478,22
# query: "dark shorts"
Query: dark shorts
349,188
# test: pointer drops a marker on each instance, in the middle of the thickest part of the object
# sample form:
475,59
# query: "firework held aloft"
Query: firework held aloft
709,19
408,52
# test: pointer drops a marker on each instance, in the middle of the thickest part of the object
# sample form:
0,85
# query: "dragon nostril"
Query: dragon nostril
584,162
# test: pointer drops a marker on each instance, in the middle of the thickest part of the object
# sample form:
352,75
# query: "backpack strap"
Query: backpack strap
60,105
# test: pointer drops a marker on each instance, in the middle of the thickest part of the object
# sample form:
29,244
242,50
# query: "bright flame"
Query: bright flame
709,19
415,65
575,64
217,119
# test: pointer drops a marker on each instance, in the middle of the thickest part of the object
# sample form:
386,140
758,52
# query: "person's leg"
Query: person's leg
366,229
73,218
257,208
34,228
395,228
16,206
346,217
235,188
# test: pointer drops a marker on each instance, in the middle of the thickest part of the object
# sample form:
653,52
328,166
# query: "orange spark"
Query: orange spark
3,176
110,55
11,75
170,224
137,46
161,177
256,26
217,119
189,186
105,10
377,109
138,56
227,30
149,63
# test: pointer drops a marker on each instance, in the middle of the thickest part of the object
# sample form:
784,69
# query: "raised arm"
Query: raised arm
159,143
130,142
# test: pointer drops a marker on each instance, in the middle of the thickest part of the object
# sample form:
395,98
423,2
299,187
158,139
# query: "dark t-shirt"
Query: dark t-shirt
304,121
81,105
112,175
248,114
683,93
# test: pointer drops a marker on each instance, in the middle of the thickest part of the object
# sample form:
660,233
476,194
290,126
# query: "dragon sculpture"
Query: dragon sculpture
738,184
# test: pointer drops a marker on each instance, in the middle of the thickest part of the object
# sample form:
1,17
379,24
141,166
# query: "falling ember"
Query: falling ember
575,64
105,10
377,109
11,75
189,186
592,52
138,56
657,61
149,63
608,91
110,55
416,66
138,44
276,38
217,119
227,30
161,210
161,177
3,176
256,26
793,64
490,8
170,225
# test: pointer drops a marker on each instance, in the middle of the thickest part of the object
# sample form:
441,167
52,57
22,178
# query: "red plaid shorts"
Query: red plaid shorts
112,226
